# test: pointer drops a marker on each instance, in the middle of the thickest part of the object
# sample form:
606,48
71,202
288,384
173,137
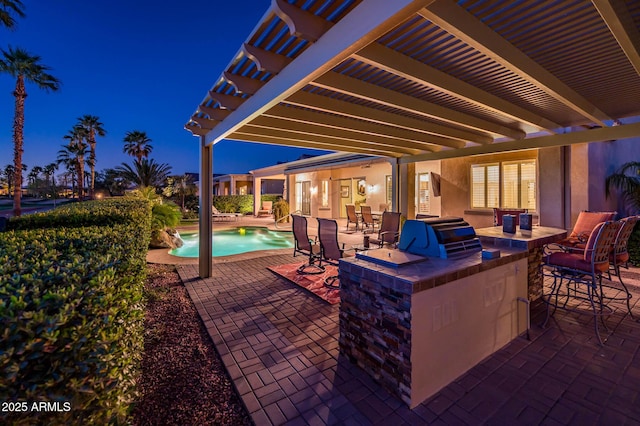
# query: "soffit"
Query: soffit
429,77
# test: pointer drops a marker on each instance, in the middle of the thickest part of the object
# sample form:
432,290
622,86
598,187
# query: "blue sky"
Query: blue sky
138,65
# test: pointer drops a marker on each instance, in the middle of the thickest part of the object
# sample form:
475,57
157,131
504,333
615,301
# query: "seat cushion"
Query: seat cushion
587,221
574,261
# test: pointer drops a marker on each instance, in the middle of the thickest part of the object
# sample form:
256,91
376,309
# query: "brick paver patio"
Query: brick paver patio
280,346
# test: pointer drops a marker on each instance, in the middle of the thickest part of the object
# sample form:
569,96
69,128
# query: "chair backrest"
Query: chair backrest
587,221
351,213
389,227
622,239
267,205
498,213
300,233
328,236
365,211
600,244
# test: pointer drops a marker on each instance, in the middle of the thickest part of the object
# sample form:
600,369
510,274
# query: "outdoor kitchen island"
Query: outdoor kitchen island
416,323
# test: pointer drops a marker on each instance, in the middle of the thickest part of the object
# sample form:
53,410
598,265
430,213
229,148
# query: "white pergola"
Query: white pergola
423,80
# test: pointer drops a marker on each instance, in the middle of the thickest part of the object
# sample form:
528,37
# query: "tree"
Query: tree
626,180
93,127
78,148
145,173
181,186
33,176
24,67
49,173
137,144
70,156
9,173
8,10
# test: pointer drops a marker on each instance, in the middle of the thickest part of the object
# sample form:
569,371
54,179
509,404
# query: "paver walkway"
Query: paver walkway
280,346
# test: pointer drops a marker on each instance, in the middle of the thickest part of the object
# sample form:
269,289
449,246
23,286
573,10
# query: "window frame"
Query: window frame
501,184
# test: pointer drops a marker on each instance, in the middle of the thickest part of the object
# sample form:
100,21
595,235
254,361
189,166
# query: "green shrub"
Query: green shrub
166,215
233,203
71,314
280,209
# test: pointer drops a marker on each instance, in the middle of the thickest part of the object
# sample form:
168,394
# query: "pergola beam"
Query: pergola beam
621,24
313,118
243,84
464,26
330,105
358,88
347,135
593,135
328,140
361,26
407,67
300,22
256,135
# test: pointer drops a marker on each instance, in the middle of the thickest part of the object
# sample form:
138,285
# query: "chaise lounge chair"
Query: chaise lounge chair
223,216
267,209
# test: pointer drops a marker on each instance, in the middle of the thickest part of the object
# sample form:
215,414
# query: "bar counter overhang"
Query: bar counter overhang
416,327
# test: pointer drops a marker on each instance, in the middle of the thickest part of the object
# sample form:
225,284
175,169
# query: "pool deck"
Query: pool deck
279,344
163,256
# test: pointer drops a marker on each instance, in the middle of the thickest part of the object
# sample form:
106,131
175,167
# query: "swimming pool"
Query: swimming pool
236,240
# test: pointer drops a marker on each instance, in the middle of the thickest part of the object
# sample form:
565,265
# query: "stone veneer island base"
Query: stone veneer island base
416,328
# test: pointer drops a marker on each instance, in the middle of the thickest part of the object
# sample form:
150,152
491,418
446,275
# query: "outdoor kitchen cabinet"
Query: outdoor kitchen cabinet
415,324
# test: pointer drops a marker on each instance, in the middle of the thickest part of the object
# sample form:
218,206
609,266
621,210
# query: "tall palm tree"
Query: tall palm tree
77,148
24,67
137,144
145,173
9,8
94,128
9,172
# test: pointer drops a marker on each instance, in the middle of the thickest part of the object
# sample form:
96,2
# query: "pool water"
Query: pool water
236,241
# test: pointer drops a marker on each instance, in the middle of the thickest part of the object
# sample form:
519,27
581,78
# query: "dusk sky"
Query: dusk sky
138,65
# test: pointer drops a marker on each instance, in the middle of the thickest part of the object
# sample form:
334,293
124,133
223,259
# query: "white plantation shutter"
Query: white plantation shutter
493,186
510,185
528,185
423,193
478,186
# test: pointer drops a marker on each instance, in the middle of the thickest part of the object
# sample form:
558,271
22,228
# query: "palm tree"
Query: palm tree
9,172
23,67
145,173
94,128
78,148
137,144
49,171
72,156
8,8
626,180
33,176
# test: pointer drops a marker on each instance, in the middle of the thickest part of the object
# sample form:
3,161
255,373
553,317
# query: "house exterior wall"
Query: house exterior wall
435,202
375,190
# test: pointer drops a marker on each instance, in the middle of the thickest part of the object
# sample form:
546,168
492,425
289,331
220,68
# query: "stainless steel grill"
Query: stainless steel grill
447,237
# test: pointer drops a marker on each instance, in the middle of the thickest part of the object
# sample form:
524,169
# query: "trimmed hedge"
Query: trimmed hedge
71,311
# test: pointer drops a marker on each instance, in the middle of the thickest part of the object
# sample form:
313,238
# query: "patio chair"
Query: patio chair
306,246
267,209
574,269
584,225
367,218
389,231
330,249
352,217
217,215
499,213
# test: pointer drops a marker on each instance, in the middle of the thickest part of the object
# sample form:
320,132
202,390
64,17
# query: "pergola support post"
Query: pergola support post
205,260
